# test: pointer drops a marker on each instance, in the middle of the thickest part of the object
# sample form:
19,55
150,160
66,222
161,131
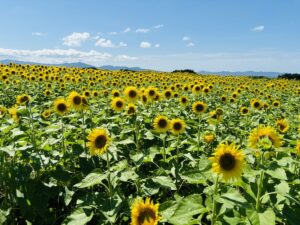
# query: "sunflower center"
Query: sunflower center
281,126
197,88
227,161
199,107
100,141
177,126
131,110
24,99
77,100
168,94
183,100
245,111
162,123
119,104
256,104
151,92
147,215
61,107
132,94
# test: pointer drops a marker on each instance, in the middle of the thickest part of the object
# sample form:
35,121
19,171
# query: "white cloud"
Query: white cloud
113,33
142,30
190,44
258,28
185,38
105,43
157,45
158,26
76,39
40,34
125,58
127,30
145,44
55,55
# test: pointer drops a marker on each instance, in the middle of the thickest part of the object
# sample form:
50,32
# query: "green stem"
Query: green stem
137,130
214,209
164,146
199,121
63,137
260,186
83,129
108,178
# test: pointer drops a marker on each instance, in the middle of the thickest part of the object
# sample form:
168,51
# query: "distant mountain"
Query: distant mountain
75,64
109,67
242,73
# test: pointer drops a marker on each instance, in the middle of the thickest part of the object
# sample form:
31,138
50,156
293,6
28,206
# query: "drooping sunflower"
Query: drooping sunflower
22,99
75,100
282,125
199,107
144,212
161,124
244,111
264,137
118,104
131,109
131,94
98,141
46,114
3,111
228,161
177,126
61,106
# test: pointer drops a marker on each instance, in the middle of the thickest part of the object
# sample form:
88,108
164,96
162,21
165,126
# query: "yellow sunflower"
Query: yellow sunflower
75,100
177,126
276,104
61,106
15,115
282,125
46,114
131,94
144,212
98,141
151,92
256,104
183,100
168,93
22,99
244,111
161,124
199,107
118,104
264,137
228,161
209,137
131,109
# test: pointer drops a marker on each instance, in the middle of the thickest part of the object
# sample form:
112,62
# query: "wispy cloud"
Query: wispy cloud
157,45
106,43
127,29
258,28
40,34
190,44
125,58
76,39
186,38
142,30
145,44
158,26
113,33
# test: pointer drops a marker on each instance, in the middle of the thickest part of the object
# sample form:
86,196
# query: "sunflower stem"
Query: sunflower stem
137,135
260,186
108,178
214,209
199,121
164,146
83,129
63,136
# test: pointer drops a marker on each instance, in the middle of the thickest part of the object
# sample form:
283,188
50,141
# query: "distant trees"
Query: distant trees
184,71
290,76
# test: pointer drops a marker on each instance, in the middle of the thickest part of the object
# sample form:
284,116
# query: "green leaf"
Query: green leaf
91,180
80,216
164,181
128,175
187,209
232,198
3,215
282,188
167,209
278,173
68,196
194,177
267,217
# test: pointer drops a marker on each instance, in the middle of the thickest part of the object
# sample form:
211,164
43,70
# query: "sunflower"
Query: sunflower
177,126
228,161
47,92
144,212
298,147
75,100
151,92
131,109
3,111
61,106
183,100
98,141
161,124
282,125
46,114
256,104
131,94
199,107
244,111
22,99
264,137
276,104
95,93
84,102
144,99
15,115
209,137
168,94
196,90
118,104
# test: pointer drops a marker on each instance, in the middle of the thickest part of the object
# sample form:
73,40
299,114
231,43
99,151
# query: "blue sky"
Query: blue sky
261,35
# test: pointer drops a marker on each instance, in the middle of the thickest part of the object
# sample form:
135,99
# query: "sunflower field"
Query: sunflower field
87,146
